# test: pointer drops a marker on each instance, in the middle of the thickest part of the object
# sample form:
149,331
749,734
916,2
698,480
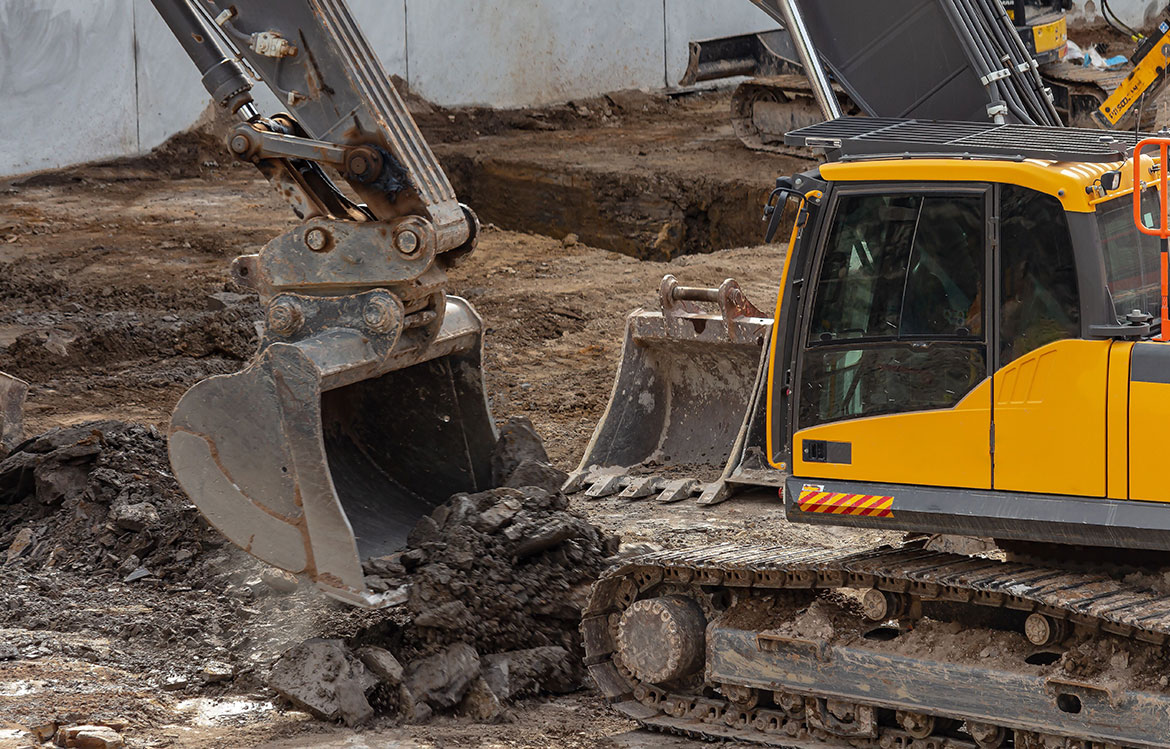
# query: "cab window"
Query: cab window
897,310
1039,299
1132,263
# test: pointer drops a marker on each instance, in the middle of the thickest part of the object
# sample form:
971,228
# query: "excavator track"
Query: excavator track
705,642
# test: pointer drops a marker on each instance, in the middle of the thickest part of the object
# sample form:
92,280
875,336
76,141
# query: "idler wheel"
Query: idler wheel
662,639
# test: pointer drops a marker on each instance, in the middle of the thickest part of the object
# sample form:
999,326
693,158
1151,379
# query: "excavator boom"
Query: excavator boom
364,406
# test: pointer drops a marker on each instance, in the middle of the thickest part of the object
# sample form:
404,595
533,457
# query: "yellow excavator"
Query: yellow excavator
968,344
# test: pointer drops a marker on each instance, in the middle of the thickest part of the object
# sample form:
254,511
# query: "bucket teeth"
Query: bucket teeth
639,488
690,391
678,490
605,486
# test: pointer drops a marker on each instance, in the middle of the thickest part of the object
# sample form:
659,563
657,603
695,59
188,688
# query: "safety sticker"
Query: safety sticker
815,499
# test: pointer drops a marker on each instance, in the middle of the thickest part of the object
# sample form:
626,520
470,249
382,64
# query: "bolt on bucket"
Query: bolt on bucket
686,415
334,441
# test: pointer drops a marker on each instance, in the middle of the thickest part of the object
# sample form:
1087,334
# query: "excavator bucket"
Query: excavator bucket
686,415
323,452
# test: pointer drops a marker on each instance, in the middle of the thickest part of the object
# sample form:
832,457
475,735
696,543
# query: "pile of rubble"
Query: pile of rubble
99,498
491,588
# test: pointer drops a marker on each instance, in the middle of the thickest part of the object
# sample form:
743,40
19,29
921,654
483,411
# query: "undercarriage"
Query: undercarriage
898,647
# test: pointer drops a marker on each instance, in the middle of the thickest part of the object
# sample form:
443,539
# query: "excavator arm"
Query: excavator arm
364,406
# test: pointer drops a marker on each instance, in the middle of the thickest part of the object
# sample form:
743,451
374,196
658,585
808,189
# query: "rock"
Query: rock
425,531
481,703
44,731
459,510
382,664
20,544
89,737
451,615
324,678
279,580
221,300
534,473
175,683
525,672
129,564
136,575
499,514
12,396
518,442
56,482
133,516
442,679
548,535
216,671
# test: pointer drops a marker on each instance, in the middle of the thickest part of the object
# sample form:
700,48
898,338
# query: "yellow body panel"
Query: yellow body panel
948,447
1050,420
1149,416
1117,422
1139,80
1064,181
1050,36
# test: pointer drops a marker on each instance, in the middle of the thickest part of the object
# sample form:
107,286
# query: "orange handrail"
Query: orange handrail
1162,230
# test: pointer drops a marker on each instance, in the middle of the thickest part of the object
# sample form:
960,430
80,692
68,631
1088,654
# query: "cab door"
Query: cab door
892,378
1051,386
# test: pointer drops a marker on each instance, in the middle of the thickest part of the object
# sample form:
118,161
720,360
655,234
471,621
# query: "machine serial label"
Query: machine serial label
814,499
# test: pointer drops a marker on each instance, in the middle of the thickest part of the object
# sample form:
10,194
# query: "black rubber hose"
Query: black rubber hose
991,57
979,62
1031,88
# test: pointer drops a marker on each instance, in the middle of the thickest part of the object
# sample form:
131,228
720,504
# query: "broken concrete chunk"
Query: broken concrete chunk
324,678
442,679
383,664
535,473
518,441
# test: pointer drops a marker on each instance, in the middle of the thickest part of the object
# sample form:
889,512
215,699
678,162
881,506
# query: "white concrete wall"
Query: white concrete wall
82,80
1135,13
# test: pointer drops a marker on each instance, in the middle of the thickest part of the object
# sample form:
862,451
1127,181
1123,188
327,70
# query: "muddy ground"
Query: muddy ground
115,298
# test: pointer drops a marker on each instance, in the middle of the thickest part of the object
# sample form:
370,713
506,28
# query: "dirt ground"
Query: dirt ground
115,298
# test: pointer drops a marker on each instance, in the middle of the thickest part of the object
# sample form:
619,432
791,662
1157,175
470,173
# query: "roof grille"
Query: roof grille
854,137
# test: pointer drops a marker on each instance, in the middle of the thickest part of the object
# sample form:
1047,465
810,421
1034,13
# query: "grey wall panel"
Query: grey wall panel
67,82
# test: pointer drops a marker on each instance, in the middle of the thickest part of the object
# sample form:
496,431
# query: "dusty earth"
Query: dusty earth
115,298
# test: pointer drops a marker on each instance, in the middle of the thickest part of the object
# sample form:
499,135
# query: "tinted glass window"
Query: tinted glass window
900,266
1132,264
897,321
1039,301
848,383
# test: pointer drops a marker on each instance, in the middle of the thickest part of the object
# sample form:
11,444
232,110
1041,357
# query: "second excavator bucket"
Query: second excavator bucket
686,415
325,451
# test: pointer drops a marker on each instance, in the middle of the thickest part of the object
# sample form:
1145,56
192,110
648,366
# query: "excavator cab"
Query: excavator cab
966,336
